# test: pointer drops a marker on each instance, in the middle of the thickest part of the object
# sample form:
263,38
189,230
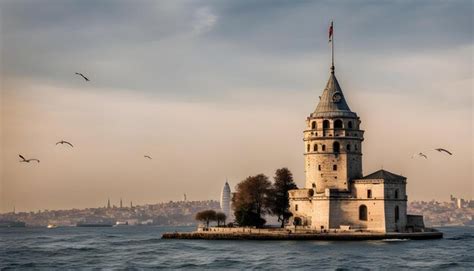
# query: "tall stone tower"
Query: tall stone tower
333,142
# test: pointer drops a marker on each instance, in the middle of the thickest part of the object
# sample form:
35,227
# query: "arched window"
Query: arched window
326,124
313,125
363,212
315,147
349,125
334,167
348,147
396,193
323,147
297,221
319,167
336,147
397,214
338,124
308,148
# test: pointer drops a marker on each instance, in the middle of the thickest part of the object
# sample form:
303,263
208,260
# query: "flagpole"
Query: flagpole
332,46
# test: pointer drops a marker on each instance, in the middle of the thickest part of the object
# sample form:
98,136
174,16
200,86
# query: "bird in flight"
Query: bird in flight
444,150
64,142
23,159
420,155
147,156
82,75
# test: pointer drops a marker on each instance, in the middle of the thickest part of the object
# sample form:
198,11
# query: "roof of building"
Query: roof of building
327,106
385,175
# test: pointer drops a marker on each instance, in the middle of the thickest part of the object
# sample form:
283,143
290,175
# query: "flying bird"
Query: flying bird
444,150
64,142
423,155
147,156
420,154
82,75
23,159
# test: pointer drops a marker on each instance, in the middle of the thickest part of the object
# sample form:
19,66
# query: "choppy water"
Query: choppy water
142,248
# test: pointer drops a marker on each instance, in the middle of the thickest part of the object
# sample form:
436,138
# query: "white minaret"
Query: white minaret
225,199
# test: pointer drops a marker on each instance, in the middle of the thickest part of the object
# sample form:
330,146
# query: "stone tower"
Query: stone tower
333,142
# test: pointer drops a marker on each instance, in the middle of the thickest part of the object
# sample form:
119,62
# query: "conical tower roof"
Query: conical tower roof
332,102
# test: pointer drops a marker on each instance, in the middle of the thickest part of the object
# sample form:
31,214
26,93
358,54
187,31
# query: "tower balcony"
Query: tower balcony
332,133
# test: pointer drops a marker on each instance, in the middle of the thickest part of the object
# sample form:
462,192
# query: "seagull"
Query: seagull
23,159
82,75
420,154
444,150
147,156
64,142
423,155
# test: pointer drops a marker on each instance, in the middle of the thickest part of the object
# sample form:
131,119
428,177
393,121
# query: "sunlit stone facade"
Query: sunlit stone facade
337,195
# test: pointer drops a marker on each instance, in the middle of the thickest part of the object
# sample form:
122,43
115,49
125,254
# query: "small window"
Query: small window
338,124
397,214
296,207
348,147
334,167
326,124
349,125
308,148
315,147
323,147
336,147
313,125
369,193
355,146
396,193
319,167
363,212
313,185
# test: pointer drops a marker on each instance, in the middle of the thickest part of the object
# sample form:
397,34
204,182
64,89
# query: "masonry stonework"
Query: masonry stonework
336,194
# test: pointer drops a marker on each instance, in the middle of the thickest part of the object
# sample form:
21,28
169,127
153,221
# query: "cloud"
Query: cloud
204,20
228,83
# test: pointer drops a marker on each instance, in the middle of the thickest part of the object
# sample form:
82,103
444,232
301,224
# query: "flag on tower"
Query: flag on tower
330,32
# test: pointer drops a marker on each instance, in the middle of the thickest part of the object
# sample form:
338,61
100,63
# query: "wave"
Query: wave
464,236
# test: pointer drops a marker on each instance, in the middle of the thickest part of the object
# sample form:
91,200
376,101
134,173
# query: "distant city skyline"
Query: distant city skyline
211,89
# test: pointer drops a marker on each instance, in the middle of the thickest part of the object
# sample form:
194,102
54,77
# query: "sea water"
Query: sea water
141,247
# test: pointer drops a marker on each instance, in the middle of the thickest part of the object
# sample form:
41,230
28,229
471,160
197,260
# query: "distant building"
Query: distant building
108,203
225,199
121,205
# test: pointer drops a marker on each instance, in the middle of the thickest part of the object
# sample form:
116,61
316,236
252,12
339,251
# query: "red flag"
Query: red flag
330,32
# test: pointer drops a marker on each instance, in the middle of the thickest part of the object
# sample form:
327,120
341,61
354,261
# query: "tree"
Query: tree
220,217
206,216
251,200
280,203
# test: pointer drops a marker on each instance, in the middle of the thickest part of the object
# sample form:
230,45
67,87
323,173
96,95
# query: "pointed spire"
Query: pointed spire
332,102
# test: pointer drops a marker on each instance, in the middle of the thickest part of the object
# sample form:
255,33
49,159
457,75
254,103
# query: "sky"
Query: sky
221,89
